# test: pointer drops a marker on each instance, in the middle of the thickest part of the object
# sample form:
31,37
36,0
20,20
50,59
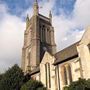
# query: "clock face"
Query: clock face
44,48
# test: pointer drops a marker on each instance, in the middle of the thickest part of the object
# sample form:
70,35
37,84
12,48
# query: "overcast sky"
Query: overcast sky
70,18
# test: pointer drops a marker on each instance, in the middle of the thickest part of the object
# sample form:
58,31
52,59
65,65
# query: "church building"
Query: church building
40,59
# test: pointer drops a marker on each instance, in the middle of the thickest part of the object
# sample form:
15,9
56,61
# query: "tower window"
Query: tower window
44,35
48,35
40,32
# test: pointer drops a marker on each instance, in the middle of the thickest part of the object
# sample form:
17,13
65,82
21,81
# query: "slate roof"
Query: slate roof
66,54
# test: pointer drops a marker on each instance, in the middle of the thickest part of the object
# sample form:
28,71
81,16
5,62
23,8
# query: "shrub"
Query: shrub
33,85
81,84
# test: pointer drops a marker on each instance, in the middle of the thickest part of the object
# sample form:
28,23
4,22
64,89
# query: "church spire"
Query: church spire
35,8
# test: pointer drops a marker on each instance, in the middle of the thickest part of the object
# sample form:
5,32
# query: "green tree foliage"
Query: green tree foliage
12,79
1,76
33,85
81,84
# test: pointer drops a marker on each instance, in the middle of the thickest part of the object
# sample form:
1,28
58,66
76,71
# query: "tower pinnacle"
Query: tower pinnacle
36,1
27,21
50,16
35,8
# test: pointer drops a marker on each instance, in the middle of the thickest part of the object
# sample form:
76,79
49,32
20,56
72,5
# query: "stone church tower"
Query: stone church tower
38,38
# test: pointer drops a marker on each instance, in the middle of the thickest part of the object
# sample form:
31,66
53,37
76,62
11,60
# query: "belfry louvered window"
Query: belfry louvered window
43,34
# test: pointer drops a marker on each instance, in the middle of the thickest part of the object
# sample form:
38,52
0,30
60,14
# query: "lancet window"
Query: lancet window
48,78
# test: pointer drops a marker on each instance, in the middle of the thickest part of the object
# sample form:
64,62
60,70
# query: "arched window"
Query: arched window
70,74
48,35
57,77
65,76
40,32
48,76
44,34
